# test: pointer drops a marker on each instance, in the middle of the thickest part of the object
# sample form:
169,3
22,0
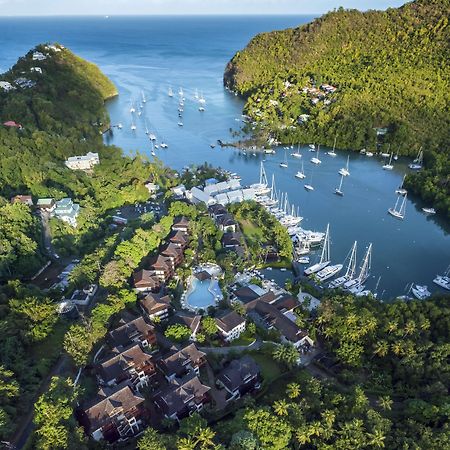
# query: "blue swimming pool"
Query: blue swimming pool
202,294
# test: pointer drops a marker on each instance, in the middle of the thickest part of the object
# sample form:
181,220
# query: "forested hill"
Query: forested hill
56,91
391,74
390,70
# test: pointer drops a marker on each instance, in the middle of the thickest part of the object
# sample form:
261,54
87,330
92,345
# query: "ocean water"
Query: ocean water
151,54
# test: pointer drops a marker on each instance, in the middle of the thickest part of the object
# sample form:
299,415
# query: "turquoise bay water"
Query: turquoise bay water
150,54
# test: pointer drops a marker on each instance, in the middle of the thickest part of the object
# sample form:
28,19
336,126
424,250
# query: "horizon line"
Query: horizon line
165,15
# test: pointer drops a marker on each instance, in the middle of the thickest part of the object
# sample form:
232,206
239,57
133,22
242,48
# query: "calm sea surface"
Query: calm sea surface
151,54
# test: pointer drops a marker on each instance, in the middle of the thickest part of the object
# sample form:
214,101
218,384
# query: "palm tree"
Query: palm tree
205,437
410,327
397,348
371,324
392,326
281,407
186,444
377,439
303,436
425,325
329,417
293,390
381,348
385,402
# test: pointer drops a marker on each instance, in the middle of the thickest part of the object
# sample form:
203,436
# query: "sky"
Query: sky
136,7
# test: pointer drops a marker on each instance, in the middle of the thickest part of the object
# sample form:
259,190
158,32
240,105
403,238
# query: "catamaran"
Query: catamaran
417,163
443,280
388,166
316,159
163,145
351,269
301,173
152,137
356,285
324,257
284,164
420,292
400,212
297,153
344,171
332,152
338,190
401,190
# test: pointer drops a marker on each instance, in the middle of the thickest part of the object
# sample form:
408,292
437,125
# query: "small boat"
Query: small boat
369,154
132,109
420,292
385,155
338,190
344,171
170,93
152,137
332,152
443,280
396,157
297,153
156,146
153,153
212,145
400,212
308,187
163,145
316,159
180,124
429,210
284,164
312,146
180,110
401,190
201,109
303,260
133,127
388,166
119,126
418,162
269,151
301,173
180,92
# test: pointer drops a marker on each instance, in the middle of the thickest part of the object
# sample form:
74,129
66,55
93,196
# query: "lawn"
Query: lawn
269,368
243,340
251,232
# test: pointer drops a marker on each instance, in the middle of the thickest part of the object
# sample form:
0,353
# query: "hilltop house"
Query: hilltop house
85,162
46,204
115,413
25,199
67,211
240,377
230,325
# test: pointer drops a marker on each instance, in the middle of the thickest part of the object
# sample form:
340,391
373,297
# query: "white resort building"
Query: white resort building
85,162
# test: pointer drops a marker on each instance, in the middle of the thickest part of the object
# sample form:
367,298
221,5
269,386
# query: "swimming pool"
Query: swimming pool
202,294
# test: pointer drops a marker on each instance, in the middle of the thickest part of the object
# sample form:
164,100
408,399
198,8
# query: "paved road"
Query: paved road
237,348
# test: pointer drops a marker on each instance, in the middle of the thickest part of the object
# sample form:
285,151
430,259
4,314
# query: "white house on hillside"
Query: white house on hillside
85,162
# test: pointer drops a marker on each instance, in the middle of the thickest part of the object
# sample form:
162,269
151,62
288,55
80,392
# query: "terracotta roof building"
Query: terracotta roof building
180,362
154,305
136,330
146,281
230,325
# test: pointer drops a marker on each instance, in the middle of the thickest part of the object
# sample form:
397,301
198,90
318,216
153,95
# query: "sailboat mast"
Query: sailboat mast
352,262
326,247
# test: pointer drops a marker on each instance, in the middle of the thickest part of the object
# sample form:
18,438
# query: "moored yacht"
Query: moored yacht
420,292
324,257
443,281
333,152
388,166
316,159
418,162
344,171
400,212
284,164
351,269
429,211
301,173
401,190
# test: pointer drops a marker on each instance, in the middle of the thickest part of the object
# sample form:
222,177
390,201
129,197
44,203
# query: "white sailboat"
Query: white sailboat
324,257
351,269
133,126
196,94
332,152
262,187
180,92
389,166
301,173
163,145
344,171
297,153
356,285
201,100
170,92
312,146
443,280
146,127
309,187
430,211
284,164
316,159
144,100
400,212
132,108
153,149
338,190
420,292
418,162
401,190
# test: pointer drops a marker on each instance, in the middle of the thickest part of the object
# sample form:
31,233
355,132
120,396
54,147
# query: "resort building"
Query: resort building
85,162
146,281
38,56
230,326
162,267
181,224
115,413
173,252
179,238
46,204
67,211
180,362
82,297
240,377
25,199
129,363
182,397
155,306
133,331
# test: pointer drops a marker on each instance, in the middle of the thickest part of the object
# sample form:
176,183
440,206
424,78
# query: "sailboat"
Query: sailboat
443,280
400,212
132,108
332,152
153,150
301,173
312,147
262,187
316,159
196,94
338,190
389,166
133,126
146,127
324,257
356,285
201,99
401,190
344,171
144,100
309,187
297,153
201,108
396,156
180,92
351,269
417,163
163,145
284,164
152,137
170,93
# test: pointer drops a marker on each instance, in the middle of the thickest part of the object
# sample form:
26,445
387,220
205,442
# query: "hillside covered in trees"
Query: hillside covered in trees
390,74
